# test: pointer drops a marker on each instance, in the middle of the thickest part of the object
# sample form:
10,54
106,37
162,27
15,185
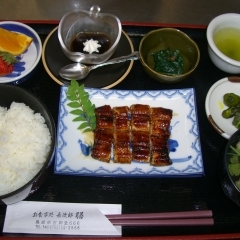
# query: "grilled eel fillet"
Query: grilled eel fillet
160,123
140,125
103,134
138,133
121,135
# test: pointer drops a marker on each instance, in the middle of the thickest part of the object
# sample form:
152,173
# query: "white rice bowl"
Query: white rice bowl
24,146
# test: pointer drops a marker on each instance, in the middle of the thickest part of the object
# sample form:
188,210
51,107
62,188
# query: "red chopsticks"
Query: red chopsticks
189,218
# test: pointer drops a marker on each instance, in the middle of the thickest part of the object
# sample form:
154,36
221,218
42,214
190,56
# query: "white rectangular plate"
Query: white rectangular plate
73,151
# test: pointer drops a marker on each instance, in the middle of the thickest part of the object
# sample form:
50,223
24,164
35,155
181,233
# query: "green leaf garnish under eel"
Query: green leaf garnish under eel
83,107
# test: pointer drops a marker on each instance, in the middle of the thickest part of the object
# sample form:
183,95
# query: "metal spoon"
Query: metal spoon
79,71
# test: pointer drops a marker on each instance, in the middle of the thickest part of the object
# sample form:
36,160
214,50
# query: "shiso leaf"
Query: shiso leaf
83,107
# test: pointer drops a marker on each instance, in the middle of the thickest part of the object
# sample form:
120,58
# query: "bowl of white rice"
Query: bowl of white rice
27,143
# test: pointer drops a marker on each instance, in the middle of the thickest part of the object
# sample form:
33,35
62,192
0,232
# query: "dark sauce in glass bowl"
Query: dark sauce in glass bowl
103,39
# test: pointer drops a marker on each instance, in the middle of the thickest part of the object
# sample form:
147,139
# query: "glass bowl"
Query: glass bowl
89,23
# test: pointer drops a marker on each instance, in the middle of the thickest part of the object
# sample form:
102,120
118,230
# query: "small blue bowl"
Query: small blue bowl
26,61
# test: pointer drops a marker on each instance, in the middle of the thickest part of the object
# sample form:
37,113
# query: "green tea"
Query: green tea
227,41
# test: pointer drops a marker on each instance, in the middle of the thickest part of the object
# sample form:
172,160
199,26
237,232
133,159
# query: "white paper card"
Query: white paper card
61,218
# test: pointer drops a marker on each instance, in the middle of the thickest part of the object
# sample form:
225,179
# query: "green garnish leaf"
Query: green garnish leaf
79,118
74,104
72,98
234,159
83,107
87,130
234,169
83,125
76,112
236,150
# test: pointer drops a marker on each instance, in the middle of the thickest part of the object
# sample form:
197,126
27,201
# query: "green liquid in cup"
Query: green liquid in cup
227,41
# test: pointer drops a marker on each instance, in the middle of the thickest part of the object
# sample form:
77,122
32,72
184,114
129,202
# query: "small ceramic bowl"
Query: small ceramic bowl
10,93
174,39
92,24
223,62
214,105
229,170
26,61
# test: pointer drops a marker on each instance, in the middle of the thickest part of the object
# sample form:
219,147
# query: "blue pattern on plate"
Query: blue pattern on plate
189,165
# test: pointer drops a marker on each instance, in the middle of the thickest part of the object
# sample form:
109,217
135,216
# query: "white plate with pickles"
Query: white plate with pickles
216,107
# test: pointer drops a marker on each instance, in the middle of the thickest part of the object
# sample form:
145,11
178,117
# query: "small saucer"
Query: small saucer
28,60
103,77
214,105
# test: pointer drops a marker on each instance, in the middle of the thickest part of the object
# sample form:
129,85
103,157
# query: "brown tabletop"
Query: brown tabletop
184,12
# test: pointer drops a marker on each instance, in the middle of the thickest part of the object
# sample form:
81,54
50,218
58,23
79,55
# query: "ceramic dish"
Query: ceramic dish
72,156
103,77
214,105
171,39
26,61
229,170
222,59
10,93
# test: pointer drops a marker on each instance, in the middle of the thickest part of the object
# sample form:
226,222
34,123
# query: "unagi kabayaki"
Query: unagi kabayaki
121,136
139,133
103,134
140,125
160,123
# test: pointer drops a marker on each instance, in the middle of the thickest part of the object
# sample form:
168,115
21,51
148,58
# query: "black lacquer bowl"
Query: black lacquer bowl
8,94
228,180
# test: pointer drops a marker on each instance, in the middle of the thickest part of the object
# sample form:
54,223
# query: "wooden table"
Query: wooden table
164,12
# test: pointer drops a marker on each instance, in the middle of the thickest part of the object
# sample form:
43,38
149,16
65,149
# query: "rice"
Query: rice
24,145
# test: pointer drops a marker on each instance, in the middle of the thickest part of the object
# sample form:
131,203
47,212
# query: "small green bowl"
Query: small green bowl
174,39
